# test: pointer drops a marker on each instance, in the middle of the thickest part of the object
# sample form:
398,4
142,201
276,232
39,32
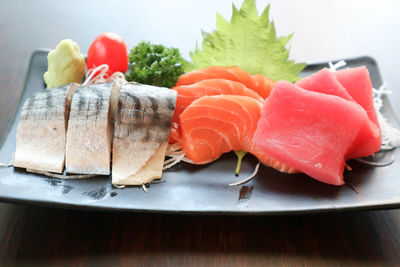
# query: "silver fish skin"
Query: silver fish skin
142,125
88,146
41,133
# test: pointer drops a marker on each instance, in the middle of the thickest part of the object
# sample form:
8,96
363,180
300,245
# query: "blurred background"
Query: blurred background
324,30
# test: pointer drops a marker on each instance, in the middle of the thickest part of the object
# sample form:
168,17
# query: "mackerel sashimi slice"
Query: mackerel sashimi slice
142,124
41,132
188,93
309,131
89,134
368,140
258,82
213,125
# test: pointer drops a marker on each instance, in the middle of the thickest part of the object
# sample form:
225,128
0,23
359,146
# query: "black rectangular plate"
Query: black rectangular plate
204,189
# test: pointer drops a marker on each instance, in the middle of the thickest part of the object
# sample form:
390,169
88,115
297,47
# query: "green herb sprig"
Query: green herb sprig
154,65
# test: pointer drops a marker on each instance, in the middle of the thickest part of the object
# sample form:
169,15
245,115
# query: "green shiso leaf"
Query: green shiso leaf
248,41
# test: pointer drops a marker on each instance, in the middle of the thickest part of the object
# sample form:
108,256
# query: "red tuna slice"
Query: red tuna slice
368,140
309,131
358,84
325,82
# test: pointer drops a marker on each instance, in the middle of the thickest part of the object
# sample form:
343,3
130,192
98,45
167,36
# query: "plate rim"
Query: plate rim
83,206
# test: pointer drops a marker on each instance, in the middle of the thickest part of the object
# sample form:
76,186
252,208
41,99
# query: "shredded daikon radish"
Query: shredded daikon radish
377,163
249,177
390,134
7,165
176,155
100,75
337,65
144,188
61,176
10,162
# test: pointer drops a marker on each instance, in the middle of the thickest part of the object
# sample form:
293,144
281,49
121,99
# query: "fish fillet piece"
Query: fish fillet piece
188,93
369,139
42,130
213,125
88,146
258,82
358,84
142,123
308,130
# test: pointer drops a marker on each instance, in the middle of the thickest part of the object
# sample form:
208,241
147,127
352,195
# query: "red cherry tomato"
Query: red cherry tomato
108,48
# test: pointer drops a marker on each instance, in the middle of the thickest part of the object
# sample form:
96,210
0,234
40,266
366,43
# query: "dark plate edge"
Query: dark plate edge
68,206
14,113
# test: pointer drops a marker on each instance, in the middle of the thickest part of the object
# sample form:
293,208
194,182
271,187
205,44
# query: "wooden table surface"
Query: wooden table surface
324,30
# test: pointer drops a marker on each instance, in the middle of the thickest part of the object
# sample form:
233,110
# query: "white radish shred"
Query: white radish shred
7,165
245,180
144,188
61,176
390,134
378,163
100,75
176,155
10,162
337,65
173,161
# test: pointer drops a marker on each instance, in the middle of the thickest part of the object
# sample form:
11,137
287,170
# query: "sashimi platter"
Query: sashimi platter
239,128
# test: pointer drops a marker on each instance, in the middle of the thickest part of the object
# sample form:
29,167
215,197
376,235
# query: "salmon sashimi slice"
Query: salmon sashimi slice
308,130
324,81
263,85
188,93
41,132
88,147
258,82
142,124
213,125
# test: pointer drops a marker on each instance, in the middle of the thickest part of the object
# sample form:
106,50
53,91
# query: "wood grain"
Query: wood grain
46,237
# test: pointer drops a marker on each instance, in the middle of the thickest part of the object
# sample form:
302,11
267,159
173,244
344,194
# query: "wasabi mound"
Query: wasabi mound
65,65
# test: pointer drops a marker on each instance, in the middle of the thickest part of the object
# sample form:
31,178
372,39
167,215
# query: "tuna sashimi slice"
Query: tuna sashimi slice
309,131
213,125
358,84
324,81
368,140
258,82
188,93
